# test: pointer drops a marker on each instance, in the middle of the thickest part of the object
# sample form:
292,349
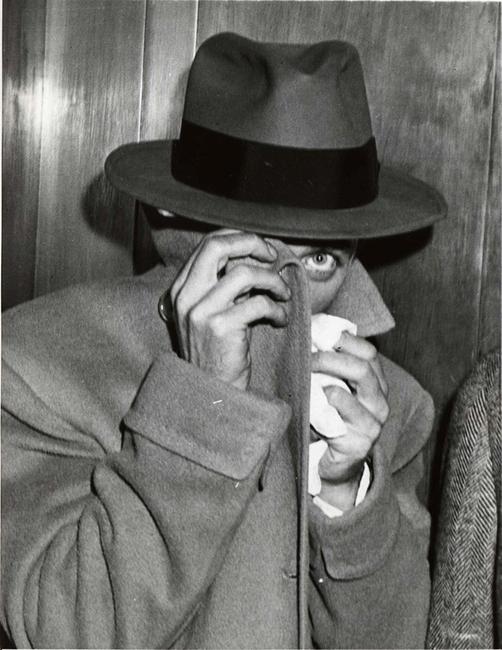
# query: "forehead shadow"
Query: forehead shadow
159,221
179,222
338,244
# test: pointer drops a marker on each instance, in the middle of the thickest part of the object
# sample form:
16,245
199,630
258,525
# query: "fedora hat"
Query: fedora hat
277,139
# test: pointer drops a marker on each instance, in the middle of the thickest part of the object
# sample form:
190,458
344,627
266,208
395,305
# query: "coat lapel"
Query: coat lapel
281,365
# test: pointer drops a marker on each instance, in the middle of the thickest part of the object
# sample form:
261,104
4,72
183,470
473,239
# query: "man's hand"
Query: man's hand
214,309
364,412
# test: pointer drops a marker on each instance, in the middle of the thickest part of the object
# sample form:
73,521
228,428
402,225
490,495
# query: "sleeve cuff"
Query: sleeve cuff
208,421
364,485
358,543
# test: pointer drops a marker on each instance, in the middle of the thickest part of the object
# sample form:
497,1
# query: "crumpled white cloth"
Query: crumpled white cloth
324,418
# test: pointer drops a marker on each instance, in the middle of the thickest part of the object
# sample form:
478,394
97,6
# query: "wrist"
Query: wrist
343,494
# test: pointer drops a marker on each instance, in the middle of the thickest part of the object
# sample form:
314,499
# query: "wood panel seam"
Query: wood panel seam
43,99
142,75
196,30
489,171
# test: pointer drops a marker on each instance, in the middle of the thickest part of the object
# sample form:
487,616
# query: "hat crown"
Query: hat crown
303,96
276,139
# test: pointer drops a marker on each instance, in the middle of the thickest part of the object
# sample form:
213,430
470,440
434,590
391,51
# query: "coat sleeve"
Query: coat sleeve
117,549
369,584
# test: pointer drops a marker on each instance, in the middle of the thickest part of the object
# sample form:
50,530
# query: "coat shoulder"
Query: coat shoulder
82,350
89,316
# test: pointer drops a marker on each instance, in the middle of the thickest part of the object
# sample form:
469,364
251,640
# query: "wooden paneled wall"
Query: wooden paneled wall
83,76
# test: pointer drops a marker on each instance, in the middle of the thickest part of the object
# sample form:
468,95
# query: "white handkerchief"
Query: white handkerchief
326,332
325,419
327,329
316,452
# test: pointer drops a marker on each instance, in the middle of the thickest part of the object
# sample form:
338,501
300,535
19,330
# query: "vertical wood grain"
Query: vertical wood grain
92,89
441,97
265,20
23,62
489,325
429,73
169,49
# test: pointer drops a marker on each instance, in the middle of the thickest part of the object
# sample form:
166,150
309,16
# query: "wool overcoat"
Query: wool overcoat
466,603
148,504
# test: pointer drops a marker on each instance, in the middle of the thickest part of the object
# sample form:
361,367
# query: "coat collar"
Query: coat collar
359,301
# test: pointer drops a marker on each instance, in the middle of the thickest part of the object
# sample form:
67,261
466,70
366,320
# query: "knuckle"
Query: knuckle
282,310
217,326
213,244
372,352
242,272
253,238
280,314
262,302
194,317
373,429
334,394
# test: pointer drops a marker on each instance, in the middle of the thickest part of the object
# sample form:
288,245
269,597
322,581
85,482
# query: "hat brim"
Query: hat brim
404,203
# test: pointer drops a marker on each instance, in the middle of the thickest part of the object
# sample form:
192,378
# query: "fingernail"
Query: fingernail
271,249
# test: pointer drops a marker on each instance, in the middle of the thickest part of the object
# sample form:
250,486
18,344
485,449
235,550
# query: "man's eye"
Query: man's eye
320,264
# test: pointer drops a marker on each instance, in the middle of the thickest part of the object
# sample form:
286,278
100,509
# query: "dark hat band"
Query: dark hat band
247,170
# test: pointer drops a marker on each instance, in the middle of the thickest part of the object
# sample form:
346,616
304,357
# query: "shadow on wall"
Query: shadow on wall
116,216
392,249
107,211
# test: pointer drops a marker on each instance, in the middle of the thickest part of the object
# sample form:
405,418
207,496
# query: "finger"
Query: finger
238,283
182,276
239,317
184,297
363,349
346,450
212,256
359,374
353,413
345,366
216,249
179,310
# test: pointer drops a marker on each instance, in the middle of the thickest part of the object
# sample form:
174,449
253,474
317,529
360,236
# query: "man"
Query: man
155,478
